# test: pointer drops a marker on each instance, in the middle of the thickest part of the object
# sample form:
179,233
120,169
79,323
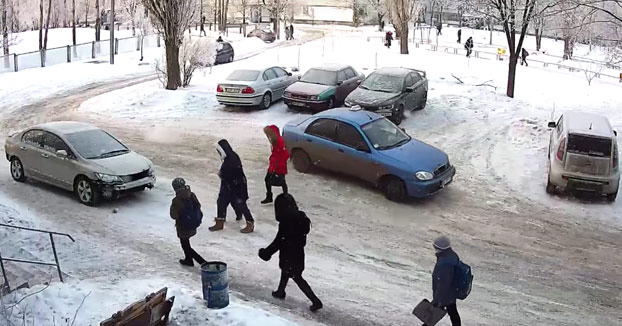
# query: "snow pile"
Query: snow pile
58,303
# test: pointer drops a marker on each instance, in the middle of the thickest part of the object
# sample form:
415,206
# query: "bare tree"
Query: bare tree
98,22
171,18
515,17
73,21
131,8
591,71
47,25
381,10
40,24
402,11
87,7
275,7
4,25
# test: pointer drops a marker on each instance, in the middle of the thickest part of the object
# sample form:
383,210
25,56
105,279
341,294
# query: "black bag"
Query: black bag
276,180
429,314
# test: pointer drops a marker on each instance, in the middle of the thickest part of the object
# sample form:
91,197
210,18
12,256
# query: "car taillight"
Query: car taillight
560,150
219,89
248,90
615,158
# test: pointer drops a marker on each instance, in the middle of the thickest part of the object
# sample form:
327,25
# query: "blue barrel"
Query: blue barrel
215,284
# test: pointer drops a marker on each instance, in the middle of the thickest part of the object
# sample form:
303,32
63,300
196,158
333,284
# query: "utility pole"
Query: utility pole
112,41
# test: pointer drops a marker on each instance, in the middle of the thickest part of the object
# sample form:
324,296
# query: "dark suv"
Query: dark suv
224,54
390,91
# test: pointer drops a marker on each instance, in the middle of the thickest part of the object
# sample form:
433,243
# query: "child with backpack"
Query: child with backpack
451,279
186,211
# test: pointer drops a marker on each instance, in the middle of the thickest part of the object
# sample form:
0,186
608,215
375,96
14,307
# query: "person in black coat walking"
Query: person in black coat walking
459,36
524,54
291,31
233,188
469,46
444,291
290,241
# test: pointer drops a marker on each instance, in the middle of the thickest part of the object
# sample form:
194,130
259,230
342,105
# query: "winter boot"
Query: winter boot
316,306
220,224
279,294
186,262
268,199
250,227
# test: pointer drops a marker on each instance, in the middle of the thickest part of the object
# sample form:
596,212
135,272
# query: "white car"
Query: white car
583,155
250,87
78,157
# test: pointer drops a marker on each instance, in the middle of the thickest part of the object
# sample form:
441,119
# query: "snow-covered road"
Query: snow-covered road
538,260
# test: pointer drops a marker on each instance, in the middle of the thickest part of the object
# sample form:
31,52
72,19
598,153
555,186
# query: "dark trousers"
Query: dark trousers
302,284
273,179
226,198
459,39
190,253
524,60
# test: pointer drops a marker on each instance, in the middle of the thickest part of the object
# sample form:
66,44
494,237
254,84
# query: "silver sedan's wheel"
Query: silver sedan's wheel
266,101
86,192
17,170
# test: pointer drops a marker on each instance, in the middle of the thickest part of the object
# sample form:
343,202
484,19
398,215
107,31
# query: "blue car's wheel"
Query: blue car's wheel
301,160
394,189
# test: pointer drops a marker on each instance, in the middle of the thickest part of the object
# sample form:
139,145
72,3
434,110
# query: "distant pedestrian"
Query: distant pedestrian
219,39
287,34
291,31
443,279
186,211
277,168
233,188
290,241
459,36
439,29
388,37
469,46
202,31
382,25
524,55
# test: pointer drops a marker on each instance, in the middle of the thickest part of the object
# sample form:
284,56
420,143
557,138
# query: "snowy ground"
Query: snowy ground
536,258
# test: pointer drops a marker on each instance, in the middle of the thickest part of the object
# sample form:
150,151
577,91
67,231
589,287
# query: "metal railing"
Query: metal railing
91,50
56,263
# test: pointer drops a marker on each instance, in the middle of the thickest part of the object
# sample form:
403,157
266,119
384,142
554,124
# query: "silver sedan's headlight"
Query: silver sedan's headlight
424,175
151,171
385,108
108,178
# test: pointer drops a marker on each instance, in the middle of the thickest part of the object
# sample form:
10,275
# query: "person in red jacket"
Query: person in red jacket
278,162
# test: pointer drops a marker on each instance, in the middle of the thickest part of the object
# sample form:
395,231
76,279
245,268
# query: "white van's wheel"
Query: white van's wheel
550,188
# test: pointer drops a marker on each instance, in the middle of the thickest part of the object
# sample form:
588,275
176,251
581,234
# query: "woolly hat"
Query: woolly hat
178,184
442,243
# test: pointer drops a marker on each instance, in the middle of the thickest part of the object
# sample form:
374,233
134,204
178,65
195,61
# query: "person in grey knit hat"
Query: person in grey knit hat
443,289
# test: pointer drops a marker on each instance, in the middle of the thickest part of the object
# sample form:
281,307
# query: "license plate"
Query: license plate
446,181
386,114
297,104
232,90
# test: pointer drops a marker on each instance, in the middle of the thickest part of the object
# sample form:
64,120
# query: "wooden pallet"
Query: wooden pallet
154,310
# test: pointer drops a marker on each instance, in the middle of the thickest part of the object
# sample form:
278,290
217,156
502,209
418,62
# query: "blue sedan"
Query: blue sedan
370,147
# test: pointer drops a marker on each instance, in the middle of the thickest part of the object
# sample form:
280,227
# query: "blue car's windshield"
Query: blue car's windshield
383,134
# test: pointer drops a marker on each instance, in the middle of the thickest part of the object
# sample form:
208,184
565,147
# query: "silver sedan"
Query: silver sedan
78,157
255,87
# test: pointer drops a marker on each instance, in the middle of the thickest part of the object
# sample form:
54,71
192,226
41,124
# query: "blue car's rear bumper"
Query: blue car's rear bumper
420,189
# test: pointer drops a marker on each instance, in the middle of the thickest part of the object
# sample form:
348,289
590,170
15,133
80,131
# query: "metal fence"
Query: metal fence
78,52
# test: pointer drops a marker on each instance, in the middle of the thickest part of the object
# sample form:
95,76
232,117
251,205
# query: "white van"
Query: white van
583,155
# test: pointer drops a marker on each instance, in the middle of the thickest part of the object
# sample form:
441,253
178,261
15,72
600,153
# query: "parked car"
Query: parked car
265,35
390,91
224,53
259,87
370,147
583,155
78,157
323,87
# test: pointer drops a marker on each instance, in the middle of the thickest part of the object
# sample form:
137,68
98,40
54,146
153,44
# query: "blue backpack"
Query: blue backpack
463,280
191,216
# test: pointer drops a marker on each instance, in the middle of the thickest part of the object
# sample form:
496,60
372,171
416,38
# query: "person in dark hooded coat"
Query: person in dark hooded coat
184,196
277,168
444,292
233,188
290,241
468,46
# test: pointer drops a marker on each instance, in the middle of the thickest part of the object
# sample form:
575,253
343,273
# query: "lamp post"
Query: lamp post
112,41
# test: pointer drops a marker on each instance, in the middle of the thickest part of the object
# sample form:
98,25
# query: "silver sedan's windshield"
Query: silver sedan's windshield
96,144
